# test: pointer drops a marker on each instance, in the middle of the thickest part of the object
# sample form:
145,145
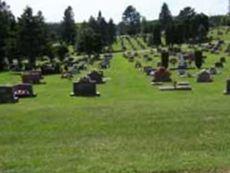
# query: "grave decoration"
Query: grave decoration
162,75
97,77
227,91
85,87
148,70
32,77
7,95
24,90
204,76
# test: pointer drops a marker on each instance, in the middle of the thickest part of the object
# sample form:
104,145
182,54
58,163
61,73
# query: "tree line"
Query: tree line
29,36
188,26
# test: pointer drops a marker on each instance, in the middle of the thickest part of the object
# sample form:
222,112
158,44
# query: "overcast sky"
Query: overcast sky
83,9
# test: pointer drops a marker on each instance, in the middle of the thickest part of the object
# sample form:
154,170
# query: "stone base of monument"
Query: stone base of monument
182,86
178,88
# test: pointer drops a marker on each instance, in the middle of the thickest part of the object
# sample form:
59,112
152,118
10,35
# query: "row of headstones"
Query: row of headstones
84,87
140,43
11,94
214,48
163,75
131,43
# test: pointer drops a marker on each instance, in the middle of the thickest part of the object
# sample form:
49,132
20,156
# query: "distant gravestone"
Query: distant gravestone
182,62
227,91
85,87
219,65
7,95
96,76
213,71
33,77
204,77
24,90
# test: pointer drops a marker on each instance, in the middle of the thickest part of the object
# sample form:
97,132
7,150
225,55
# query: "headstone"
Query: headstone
182,62
85,87
204,76
219,65
213,71
96,76
7,95
227,91
24,90
50,69
32,77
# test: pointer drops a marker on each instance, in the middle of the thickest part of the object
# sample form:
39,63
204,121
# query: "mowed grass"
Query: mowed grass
131,128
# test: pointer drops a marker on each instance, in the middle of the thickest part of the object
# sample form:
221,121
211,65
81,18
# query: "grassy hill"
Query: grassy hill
132,128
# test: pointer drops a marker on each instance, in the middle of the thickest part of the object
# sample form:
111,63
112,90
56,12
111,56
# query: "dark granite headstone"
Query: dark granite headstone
204,76
7,95
84,88
227,91
96,76
32,77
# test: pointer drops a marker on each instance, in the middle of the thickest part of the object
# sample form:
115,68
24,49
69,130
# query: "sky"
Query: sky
53,9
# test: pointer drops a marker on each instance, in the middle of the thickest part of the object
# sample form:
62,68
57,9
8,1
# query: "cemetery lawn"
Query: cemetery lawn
131,128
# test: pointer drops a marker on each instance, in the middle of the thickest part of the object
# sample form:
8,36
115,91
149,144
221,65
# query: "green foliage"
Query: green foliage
131,19
165,16
6,25
89,41
68,27
32,35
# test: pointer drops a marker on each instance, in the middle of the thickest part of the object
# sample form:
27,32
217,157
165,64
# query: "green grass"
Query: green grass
131,128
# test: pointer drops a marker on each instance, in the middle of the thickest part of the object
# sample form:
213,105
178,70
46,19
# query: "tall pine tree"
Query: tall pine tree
69,27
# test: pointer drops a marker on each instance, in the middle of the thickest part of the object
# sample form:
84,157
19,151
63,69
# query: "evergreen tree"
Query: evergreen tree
88,41
157,34
165,16
31,35
6,23
111,32
132,20
69,27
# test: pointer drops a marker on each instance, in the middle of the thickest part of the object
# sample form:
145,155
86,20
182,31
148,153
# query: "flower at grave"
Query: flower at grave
162,75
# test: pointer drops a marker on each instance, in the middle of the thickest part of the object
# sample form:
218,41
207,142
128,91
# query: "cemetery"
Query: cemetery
117,98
